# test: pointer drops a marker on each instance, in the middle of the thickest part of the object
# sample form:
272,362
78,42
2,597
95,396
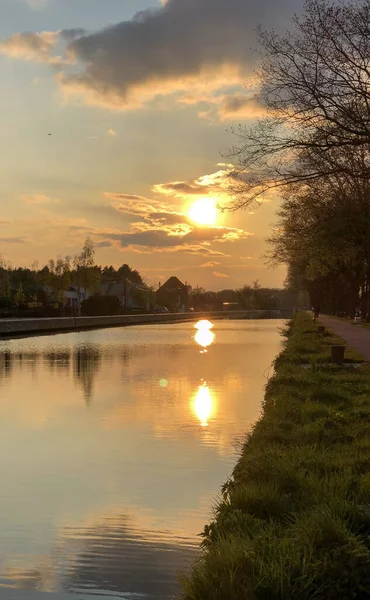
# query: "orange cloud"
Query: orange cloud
32,47
210,264
217,274
160,226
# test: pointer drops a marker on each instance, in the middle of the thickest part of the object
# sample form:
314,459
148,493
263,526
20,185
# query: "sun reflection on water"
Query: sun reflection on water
203,404
204,336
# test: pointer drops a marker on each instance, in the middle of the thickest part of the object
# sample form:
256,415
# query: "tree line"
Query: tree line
40,290
248,297
312,148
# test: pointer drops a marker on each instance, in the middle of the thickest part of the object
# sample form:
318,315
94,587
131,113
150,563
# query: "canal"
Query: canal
113,447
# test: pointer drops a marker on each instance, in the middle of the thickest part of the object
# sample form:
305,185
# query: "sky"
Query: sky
116,120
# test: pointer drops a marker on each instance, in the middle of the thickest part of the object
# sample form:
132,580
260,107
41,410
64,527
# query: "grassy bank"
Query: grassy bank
294,519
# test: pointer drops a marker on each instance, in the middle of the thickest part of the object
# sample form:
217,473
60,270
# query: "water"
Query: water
113,447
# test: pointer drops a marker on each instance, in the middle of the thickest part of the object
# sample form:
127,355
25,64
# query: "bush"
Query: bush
100,305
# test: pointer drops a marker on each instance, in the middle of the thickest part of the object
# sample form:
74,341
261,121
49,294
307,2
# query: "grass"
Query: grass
293,521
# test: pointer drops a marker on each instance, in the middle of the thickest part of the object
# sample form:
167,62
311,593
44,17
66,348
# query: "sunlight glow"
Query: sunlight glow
203,324
204,336
204,211
203,404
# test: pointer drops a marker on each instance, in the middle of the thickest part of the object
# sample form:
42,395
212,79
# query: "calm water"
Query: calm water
113,447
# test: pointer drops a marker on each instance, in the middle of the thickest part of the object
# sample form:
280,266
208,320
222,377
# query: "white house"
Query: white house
71,296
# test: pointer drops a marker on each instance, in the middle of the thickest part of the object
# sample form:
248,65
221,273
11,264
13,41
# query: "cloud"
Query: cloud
157,224
237,105
112,132
240,105
210,264
13,240
183,44
217,274
181,188
213,184
39,46
142,225
180,40
32,47
39,199
169,237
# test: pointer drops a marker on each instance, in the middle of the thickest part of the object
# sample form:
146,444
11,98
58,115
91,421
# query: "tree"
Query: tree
125,271
19,297
322,235
316,94
57,275
86,274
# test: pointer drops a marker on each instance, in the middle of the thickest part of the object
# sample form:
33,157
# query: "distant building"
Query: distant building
174,295
124,292
70,296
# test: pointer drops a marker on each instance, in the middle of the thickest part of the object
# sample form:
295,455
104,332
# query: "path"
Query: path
355,336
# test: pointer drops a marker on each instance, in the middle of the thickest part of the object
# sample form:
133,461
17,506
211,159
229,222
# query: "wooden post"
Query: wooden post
337,354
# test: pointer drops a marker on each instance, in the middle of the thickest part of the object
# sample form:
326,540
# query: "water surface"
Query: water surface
113,447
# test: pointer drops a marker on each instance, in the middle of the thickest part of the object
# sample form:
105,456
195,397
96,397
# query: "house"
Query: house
174,295
70,296
124,292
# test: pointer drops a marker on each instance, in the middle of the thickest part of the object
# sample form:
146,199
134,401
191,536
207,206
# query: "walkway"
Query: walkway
355,336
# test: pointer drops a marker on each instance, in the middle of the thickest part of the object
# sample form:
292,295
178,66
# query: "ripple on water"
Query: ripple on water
113,446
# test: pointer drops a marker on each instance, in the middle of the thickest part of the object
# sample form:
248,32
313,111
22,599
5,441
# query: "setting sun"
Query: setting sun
204,211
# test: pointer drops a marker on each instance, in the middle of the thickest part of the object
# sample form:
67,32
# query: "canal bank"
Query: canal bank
294,519
21,327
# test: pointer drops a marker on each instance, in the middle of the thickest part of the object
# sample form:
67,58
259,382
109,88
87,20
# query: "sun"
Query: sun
204,211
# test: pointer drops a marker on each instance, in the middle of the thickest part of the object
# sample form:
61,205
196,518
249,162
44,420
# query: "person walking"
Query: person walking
316,312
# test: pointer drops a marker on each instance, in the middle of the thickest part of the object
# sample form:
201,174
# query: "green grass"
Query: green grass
293,521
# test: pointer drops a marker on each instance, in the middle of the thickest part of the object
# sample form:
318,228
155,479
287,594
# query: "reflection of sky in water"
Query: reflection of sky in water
113,445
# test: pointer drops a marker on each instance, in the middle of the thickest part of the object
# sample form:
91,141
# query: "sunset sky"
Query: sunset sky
139,98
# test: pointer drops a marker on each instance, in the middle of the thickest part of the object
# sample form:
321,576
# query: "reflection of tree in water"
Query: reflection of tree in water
58,360
114,556
119,556
86,362
6,364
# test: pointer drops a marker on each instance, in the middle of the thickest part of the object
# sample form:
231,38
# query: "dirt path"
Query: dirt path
355,336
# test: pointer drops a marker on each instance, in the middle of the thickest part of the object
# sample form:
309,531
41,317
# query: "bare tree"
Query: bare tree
83,263
316,94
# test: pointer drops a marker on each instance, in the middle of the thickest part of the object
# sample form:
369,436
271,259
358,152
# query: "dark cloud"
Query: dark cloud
162,238
182,188
197,45
181,39
104,244
168,218
71,34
